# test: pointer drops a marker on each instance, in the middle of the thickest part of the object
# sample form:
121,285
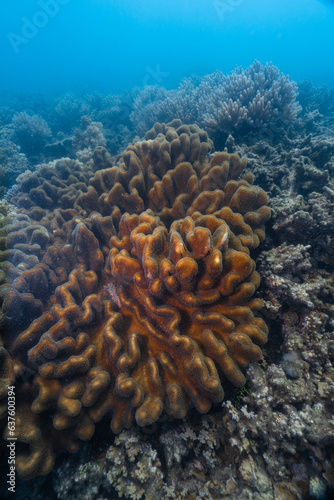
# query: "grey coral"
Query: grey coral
255,98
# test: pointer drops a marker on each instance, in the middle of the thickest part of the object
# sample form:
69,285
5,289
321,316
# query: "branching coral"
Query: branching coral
257,97
129,292
12,162
246,100
87,139
313,97
31,132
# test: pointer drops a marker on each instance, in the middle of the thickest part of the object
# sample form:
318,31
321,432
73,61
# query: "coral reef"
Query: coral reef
31,132
87,139
270,439
257,98
128,292
133,458
27,139
35,129
113,111
155,103
315,97
216,102
245,451
68,110
12,161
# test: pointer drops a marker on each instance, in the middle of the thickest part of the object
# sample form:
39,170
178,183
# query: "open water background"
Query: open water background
112,45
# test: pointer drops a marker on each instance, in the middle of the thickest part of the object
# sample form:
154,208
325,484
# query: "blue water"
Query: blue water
111,45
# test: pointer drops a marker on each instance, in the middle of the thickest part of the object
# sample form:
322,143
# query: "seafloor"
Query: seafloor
274,438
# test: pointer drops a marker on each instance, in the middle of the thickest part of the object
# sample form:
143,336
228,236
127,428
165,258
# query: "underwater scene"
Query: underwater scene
167,250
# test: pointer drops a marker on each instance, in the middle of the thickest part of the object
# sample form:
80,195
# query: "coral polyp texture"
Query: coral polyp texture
127,289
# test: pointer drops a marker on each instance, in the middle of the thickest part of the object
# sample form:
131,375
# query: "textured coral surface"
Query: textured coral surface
256,99
127,289
273,438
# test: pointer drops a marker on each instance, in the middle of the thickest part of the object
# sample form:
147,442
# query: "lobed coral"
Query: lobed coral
281,444
128,292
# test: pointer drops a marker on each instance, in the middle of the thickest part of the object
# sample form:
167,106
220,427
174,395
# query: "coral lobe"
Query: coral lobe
129,289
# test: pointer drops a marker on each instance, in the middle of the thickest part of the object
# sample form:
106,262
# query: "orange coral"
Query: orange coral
129,290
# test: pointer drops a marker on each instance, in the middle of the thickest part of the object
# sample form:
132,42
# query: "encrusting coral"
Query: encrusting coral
127,289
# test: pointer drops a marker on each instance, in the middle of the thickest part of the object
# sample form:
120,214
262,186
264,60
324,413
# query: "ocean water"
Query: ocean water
109,46
166,249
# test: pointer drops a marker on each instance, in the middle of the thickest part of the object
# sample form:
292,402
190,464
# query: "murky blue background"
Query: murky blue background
111,45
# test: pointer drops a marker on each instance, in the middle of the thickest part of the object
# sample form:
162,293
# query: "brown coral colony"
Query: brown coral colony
129,289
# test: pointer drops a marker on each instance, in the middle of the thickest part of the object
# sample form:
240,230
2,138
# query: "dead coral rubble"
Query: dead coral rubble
245,452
